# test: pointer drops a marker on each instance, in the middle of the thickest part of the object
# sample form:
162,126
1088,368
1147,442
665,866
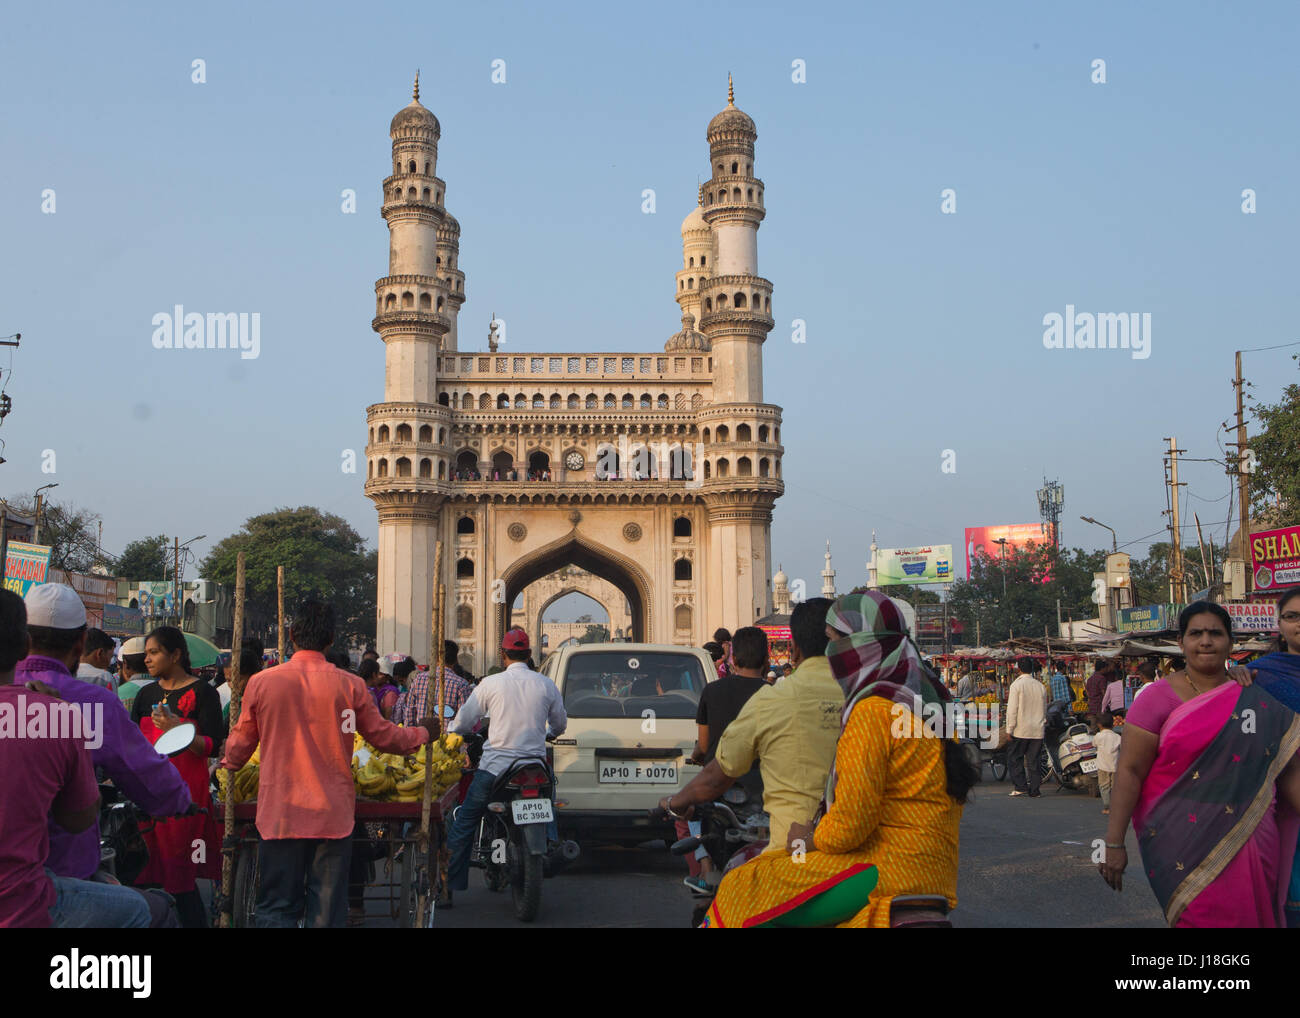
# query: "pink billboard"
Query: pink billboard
1018,535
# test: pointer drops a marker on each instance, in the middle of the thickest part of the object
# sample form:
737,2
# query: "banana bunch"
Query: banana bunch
246,779
392,777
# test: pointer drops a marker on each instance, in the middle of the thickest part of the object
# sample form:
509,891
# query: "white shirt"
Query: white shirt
99,676
1026,708
522,704
1107,742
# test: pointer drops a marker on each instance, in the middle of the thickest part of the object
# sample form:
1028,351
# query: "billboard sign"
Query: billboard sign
1253,616
26,566
122,621
1150,618
983,540
930,563
1275,558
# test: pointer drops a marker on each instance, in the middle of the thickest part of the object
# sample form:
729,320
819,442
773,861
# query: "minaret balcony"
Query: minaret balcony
420,321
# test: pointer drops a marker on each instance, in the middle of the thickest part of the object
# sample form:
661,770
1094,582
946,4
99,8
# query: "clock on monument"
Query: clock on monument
574,460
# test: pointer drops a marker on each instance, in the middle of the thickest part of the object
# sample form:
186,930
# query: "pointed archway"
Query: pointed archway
575,549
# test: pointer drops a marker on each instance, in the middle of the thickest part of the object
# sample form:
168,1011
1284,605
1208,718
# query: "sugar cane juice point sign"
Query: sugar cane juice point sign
26,565
1253,616
1275,558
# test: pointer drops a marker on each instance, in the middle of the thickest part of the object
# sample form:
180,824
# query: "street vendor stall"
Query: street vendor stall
779,643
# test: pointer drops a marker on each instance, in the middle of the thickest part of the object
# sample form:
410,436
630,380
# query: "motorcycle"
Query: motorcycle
975,738
1069,756
733,837
511,845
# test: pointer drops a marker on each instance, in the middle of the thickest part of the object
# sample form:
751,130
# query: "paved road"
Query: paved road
1024,863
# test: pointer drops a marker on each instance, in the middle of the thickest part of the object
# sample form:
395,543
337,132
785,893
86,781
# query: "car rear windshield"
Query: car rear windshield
625,685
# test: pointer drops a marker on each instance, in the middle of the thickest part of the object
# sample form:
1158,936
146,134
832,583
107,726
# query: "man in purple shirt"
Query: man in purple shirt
119,747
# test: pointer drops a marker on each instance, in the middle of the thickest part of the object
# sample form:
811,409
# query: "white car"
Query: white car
631,710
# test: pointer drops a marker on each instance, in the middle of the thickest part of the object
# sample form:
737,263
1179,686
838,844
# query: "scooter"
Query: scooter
1069,756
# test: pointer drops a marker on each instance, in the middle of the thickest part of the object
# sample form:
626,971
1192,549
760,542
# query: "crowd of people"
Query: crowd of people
1200,761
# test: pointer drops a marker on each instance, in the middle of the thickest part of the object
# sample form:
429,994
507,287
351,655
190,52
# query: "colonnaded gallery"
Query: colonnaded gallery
653,473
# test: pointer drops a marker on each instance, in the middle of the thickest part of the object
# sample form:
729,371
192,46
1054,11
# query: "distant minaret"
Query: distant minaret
828,575
780,592
872,582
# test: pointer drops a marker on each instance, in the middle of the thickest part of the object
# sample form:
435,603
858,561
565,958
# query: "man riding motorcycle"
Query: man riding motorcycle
790,727
522,705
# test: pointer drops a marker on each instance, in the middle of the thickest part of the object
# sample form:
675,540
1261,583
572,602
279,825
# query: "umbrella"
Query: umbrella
203,653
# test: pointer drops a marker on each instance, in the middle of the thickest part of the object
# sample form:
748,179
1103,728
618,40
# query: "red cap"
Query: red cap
515,639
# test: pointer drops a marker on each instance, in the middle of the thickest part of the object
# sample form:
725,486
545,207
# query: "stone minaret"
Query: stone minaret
414,317
740,434
781,592
828,575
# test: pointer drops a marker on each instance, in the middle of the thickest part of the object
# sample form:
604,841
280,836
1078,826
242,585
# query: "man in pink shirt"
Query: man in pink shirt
304,713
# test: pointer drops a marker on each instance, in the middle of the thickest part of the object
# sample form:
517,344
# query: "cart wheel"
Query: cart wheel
407,896
998,765
248,875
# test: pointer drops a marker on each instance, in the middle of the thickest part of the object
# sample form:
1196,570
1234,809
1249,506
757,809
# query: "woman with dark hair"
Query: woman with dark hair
1209,776
889,823
178,696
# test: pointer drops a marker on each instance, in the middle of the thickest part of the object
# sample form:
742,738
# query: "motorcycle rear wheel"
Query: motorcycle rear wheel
248,875
526,884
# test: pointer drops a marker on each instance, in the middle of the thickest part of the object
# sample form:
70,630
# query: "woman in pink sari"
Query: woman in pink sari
1209,776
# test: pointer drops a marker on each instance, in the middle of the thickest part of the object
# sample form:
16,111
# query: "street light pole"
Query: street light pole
1114,541
36,527
1003,541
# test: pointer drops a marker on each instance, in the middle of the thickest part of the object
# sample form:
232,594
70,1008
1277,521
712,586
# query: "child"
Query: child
1107,743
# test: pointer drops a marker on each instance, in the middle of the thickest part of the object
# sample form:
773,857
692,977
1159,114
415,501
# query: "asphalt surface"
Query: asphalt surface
1024,863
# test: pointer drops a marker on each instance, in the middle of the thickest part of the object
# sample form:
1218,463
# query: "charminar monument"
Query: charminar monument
653,472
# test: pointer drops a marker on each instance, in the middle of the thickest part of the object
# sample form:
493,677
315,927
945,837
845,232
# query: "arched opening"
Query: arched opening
692,262
521,401
743,434
503,402
465,568
661,403
426,432
390,302
682,570
410,167
539,401
624,573
682,618
610,402
762,432
408,299
442,470
383,468
591,401
627,401
383,433
539,466
503,466
744,467
708,470
682,526
646,402
574,401
403,467
426,302
464,618
557,401
708,303
739,300
465,525
403,433
723,434
724,468
763,467
426,467
722,300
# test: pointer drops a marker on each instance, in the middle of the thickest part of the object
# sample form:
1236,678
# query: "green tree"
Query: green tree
323,557
595,634
1276,479
144,559
905,592
1036,579
71,532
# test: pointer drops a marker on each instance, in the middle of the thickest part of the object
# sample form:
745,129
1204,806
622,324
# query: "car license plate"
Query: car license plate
532,811
1088,766
638,772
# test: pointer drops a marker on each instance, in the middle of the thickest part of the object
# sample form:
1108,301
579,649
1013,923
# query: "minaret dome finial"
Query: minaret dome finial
416,96
731,91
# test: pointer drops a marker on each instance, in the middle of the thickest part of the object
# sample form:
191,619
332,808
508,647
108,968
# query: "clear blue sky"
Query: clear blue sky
924,330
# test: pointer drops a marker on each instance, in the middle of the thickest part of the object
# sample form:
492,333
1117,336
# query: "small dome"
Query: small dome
780,579
695,222
732,121
415,115
451,223
688,340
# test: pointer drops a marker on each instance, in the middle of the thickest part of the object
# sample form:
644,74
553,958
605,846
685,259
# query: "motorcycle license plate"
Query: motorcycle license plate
532,811
638,772
1088,766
